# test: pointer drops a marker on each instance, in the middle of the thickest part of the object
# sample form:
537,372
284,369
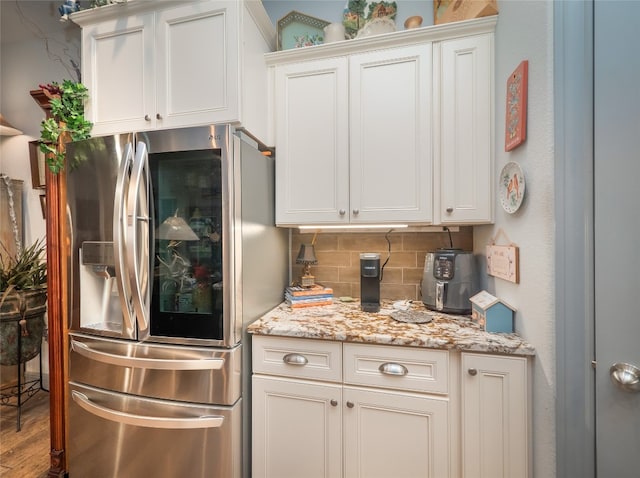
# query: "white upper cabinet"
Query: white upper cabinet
390,147
347,128
156,65
312,167
197,64
466,130
393,128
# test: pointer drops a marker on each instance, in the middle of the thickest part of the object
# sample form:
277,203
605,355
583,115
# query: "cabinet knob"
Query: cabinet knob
147,118
356,211
349,404
334,403
473,372
158,116
449,210
342,212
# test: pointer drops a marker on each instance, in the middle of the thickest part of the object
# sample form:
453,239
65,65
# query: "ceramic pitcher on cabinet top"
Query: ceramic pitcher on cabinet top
334,32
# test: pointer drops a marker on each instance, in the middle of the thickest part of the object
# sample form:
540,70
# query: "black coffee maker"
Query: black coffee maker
370,281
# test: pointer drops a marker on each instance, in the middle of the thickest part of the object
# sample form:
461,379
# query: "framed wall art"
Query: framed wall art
503,261
38,165
516,107
297,30
43,205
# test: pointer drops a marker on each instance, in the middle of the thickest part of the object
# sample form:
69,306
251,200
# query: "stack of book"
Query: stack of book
297,296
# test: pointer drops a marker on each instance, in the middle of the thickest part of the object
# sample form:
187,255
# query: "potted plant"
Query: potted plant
66,120
23,302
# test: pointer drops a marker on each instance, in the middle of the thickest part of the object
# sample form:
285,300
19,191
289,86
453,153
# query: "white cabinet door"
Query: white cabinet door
495,416
312,138
197,66
165,68
118,61
390,135
296,429
466,132
399,435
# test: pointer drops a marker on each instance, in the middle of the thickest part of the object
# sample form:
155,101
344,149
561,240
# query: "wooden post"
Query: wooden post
57,312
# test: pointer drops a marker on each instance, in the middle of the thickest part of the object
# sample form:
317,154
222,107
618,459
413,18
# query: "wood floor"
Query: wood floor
25,454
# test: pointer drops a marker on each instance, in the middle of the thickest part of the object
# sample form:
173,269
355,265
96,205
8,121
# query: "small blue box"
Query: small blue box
493,314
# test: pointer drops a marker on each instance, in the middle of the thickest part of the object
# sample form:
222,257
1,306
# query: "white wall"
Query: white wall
35,48
525,32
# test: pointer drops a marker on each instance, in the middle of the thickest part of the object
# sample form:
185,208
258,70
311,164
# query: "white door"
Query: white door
197,65
466,153
296,429
390,135
117,66
399,435
495,416
312,121
617,229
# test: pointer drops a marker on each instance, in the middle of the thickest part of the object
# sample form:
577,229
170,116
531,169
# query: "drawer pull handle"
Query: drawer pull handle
334,403
295,359
390,368
350,404
473,372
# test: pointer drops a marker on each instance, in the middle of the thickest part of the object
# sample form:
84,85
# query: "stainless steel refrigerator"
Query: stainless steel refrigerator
173,250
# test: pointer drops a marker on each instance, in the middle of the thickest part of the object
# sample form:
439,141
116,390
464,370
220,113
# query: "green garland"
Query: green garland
67,116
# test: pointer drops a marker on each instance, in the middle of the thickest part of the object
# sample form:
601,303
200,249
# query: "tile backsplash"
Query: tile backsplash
338,257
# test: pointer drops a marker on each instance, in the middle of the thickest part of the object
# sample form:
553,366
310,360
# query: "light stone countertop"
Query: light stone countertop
346,322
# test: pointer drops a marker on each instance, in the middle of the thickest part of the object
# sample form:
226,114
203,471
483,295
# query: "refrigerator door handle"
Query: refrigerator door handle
206,421
137,240
119,231
149,363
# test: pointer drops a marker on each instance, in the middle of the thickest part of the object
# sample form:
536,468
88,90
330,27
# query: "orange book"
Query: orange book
316,289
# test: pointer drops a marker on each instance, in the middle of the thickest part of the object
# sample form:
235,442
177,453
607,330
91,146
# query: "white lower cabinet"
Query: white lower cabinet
296,428
394,434
327,409
495,416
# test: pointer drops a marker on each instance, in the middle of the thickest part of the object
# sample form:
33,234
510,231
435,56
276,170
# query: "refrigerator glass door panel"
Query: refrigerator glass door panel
124,436
95,292
184,373
187,299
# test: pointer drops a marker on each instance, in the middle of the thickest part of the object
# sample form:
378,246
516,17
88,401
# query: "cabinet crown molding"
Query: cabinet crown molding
117,10
412,36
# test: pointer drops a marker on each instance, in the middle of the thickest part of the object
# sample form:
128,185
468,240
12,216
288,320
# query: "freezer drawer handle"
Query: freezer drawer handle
207,421
136,362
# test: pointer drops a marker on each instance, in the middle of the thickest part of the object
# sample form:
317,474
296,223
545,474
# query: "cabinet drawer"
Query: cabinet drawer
302,358
400,368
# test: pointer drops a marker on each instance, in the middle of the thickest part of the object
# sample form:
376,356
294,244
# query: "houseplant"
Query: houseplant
66,121
23,302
